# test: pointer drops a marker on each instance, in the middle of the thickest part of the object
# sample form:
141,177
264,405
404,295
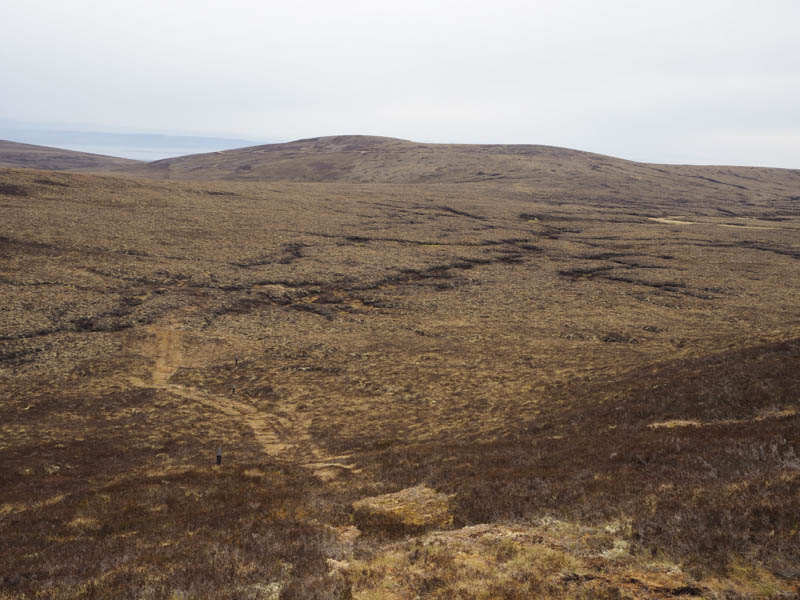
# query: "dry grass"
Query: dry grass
513,345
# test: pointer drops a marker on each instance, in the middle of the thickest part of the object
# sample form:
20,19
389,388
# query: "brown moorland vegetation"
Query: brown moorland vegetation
582,385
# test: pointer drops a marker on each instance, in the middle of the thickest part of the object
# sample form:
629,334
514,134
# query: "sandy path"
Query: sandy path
769,414
667,221
168,354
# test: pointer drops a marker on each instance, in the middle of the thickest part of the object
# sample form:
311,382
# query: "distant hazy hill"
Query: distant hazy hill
356,158
543,169
369,159
14,154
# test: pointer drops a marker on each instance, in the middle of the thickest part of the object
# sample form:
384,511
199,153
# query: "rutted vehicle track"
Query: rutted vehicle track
275,435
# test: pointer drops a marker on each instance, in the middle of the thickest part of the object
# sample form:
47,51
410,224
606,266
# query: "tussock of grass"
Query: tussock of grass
553,559
407,511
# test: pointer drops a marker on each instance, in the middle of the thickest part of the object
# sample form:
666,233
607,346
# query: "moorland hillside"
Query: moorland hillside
371,159
579,383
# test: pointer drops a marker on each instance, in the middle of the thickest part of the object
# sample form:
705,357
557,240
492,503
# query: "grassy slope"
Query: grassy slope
605,375
29,156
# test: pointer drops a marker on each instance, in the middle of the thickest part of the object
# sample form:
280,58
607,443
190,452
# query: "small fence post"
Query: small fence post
219,455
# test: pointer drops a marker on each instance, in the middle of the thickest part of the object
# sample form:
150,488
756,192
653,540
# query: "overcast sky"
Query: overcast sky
700,81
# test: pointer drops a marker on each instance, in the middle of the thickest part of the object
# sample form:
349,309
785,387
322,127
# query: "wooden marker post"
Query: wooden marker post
219,455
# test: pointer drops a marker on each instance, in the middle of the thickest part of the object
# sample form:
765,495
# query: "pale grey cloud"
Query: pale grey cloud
700,81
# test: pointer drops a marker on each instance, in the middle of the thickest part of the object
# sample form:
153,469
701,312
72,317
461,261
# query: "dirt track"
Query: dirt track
275,435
